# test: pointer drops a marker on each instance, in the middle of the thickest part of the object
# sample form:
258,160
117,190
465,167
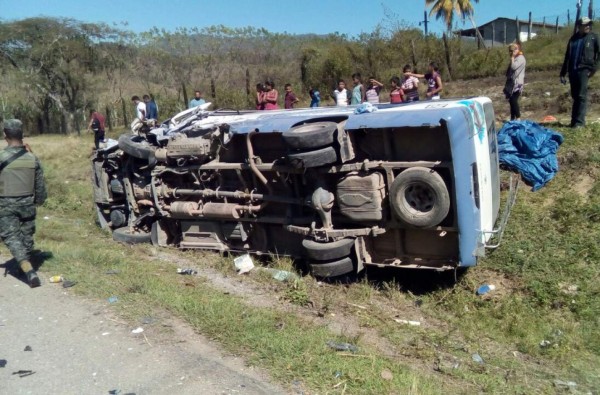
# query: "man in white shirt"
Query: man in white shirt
140,108
340,95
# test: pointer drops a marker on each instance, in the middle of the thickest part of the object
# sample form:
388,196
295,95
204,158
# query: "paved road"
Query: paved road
78,348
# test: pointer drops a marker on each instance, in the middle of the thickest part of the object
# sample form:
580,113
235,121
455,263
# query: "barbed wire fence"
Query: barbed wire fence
564,19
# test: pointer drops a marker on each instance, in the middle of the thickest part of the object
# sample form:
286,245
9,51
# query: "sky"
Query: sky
351,17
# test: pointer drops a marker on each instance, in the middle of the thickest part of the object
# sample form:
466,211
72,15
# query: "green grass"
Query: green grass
547,273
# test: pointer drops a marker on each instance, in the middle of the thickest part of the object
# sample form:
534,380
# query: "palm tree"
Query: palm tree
447,9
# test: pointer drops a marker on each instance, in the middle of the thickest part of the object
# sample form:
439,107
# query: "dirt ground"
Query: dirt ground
77,347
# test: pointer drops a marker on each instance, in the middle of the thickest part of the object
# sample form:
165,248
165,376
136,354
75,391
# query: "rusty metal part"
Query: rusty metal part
252,164
327,234
210,193
221,210
183,209
161,154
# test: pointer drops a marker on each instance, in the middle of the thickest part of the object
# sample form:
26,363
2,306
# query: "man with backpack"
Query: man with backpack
97,126
22,188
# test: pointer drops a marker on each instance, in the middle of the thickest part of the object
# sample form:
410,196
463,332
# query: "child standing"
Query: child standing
396,94
270,97
290,98
410,84
372,91
340,95
434,81
358,92
315,97
260,96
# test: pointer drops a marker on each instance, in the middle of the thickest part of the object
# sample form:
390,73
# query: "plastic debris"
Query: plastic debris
137,330
545,343
548,119
56,279
113,271
407,322
24,373
282,275
342,346
68,283
565,384
148,320
187,271
484,289
113,299
477,358
386,374
243,264
338,374
27,348
3,363
365,108
46,217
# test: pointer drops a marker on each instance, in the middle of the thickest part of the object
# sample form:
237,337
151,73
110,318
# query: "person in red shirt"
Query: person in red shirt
97,126
271,96
290,97
396,94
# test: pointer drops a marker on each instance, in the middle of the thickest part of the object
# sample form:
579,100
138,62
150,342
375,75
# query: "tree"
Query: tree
447,9
55,58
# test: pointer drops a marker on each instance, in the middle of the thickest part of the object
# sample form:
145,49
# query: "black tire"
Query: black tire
332,269
316,158
328,251
419,197
124,235
310,135
137,147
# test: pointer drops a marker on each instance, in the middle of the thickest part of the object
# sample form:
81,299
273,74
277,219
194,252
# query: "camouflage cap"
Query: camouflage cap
13,125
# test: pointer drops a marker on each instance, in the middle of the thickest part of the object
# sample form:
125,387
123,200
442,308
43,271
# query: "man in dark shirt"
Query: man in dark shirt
97,126
290,97
151,108
581,62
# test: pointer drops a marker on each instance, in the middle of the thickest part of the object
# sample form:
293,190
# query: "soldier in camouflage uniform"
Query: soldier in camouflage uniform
21,189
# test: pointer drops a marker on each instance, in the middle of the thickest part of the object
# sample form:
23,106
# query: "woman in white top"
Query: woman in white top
515,79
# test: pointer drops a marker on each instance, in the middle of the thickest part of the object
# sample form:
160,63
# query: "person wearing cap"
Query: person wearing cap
581,62
22,188
515,80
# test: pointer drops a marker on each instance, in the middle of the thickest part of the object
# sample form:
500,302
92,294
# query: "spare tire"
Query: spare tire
328,251
316,158
332,269
137,147
419,197
310,135
124,235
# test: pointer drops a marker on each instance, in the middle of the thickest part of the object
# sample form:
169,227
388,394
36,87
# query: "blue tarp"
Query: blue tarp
530,149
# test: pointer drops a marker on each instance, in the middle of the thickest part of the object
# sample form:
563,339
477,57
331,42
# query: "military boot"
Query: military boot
32,277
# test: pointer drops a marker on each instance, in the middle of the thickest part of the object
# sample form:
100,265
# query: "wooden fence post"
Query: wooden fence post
247,81
448,57
504,40
556,27
493,34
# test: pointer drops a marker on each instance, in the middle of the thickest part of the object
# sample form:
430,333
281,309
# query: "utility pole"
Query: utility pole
578,15
591,10
424,22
